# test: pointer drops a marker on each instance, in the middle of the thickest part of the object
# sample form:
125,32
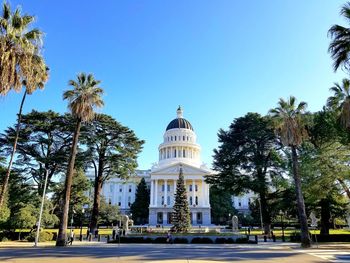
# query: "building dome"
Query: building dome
179,122
179,143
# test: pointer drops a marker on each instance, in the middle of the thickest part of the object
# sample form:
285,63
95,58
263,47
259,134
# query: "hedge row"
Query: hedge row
324,238
181,240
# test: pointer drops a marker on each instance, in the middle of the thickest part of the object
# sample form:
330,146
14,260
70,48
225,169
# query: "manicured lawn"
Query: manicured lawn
277,233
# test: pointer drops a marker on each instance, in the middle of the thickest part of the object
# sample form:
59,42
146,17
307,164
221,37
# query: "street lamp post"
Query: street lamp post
41,210
283,237
261,218
81,225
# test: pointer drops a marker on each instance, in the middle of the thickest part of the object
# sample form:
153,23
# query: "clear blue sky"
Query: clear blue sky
218,59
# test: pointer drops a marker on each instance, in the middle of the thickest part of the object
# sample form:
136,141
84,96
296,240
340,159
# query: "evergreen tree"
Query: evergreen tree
181,214
221,205
139,208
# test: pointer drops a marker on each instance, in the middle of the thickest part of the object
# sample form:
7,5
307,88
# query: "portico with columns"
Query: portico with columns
179,149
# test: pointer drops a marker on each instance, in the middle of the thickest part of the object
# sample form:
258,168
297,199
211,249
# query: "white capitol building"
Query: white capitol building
179,148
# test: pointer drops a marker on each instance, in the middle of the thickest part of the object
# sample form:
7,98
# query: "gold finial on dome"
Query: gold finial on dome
179,112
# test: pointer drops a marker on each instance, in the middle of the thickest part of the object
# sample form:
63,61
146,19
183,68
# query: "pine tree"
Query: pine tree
139,208
181,214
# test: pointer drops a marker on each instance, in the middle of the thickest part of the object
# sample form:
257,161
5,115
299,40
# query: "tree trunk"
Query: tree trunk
304,230
8,172
96,206
62,231
344,186
325,216
265,214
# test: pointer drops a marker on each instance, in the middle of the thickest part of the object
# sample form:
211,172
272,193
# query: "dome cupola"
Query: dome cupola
179,122
179,143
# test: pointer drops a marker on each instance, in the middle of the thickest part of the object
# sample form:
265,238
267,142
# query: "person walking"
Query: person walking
71,238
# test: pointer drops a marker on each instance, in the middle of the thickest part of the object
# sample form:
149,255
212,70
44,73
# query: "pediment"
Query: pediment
174,169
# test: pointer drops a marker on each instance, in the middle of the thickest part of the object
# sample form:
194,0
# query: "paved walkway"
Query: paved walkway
176,253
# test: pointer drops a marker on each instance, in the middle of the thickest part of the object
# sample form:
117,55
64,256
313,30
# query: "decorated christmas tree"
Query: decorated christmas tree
181,214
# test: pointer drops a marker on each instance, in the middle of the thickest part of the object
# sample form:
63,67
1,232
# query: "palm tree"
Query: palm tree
82,100
20,65
340,103
288,120
340,44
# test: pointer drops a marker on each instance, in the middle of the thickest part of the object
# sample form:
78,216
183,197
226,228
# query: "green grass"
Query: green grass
277,233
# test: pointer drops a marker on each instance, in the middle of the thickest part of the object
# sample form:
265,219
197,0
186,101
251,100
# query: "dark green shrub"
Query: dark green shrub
43,236
160,240
202,240
242,240
220,240
180,240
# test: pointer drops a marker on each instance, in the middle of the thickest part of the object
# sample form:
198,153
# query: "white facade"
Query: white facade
179,148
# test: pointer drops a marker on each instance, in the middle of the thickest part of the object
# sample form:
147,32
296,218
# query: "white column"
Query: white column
193,193
203,195
152,193
165,191
156,193
174,192
124,201
207,194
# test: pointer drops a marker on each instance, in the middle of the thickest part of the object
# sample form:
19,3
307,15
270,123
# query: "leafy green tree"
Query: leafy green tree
181,214
43,144
340,44
112,151
289,124
79,199
139,209
109,214
221,205
83,99
324,161
247,159
21,64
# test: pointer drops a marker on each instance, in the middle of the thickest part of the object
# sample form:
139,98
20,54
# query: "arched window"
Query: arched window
191,201
196,200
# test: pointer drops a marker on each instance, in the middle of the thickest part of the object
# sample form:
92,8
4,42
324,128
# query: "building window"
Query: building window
119,203
239,204
171,138
191,201
196,200
129,204
175,138
168,200
160,218
168,186
199,218
183,137
169,219
109,201
196,187
175,153
184,153
190,186
162,200
120,188
162,187
130,188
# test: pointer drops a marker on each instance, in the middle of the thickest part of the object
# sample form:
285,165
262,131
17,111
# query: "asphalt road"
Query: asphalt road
172,253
